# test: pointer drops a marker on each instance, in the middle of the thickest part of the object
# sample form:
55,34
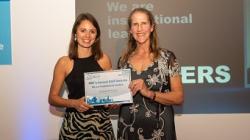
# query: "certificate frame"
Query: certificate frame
108,87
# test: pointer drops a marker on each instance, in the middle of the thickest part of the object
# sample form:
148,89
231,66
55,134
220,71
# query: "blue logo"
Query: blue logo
5,34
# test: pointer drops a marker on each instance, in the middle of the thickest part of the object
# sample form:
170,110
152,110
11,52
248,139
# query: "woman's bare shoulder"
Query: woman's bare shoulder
64,62
105,62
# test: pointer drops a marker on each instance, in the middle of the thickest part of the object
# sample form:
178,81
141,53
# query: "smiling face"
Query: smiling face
86,34
141,27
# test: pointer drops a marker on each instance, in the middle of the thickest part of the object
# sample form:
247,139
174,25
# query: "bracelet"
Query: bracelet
154,96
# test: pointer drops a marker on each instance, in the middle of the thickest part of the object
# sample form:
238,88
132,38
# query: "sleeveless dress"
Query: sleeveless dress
94,124
146,119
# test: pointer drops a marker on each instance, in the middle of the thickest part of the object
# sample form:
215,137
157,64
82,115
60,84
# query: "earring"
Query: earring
75,38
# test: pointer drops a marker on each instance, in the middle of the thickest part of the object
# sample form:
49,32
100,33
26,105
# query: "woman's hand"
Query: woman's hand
80,105
139,85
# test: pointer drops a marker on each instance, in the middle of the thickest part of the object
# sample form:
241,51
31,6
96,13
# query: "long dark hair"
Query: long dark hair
95,48
154,48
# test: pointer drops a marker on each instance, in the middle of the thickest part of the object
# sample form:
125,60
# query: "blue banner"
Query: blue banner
5,34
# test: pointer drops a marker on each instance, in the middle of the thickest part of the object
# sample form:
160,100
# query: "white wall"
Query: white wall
40,35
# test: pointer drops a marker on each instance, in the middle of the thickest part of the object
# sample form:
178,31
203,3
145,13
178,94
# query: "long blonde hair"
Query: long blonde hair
154,48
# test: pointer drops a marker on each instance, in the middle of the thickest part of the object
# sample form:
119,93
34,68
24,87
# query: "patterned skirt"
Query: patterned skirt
90,125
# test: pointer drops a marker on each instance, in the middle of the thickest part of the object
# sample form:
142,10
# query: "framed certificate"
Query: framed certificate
108,87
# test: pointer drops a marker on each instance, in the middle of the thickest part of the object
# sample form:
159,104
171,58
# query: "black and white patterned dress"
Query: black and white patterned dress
146,119
94,124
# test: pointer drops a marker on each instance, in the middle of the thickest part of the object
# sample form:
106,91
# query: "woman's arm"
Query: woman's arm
175,96
62,68
58,79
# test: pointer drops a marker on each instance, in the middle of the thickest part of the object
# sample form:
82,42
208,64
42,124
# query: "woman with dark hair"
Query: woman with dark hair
81,121
156,83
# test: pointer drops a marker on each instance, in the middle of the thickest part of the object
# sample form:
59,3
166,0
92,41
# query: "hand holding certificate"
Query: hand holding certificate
108,87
